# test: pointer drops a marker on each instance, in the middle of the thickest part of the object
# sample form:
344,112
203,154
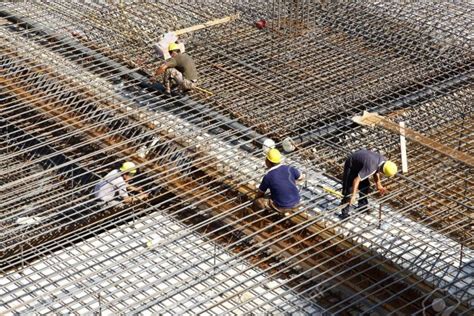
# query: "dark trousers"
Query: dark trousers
347,179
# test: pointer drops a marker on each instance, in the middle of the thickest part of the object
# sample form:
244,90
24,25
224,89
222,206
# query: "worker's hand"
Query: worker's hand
128,199
160,70
353,200
143,195
382,190
301,178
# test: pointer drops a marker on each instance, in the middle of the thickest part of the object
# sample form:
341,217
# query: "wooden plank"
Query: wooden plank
207,24
374,119
403,148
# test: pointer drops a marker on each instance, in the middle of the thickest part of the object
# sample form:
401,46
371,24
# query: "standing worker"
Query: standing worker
180,68
359,166
114,186
281,180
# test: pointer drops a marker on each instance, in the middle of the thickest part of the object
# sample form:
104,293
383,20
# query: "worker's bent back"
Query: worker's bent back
113,184
281,180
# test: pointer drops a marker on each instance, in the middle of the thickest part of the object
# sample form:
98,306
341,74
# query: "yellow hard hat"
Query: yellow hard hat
129,167
389,169
273,155
173,46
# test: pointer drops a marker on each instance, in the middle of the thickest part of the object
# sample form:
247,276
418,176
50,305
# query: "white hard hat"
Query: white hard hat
288,145
438,304
267,145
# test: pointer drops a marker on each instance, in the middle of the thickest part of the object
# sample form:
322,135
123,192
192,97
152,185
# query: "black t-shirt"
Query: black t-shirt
366,163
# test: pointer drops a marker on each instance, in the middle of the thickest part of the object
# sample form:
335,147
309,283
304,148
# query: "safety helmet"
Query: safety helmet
389,168
129,167
274,155
173,46
267,145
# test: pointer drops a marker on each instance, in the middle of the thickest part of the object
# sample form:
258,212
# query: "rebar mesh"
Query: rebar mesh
77,101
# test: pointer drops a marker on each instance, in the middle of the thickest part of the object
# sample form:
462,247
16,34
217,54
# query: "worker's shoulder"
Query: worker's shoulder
183,57
278,169
115,173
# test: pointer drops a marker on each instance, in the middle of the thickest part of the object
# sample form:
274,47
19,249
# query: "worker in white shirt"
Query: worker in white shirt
114,187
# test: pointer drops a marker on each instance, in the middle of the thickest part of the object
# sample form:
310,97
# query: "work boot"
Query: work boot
345,212
363,206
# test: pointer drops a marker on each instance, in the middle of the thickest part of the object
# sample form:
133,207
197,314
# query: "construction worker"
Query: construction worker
114,187
281,180
359,166
180,68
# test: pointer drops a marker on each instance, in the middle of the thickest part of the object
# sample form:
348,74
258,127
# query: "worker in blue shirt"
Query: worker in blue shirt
359,166
281,180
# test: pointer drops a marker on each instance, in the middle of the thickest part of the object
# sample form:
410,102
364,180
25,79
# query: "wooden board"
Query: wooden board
374,119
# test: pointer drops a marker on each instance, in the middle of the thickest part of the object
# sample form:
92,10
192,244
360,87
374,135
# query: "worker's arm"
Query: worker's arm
161,69
263,187
131,187
123,191
355,187
142,195
128,199
378,184
259,194
301,178
169,63
297,175
131,199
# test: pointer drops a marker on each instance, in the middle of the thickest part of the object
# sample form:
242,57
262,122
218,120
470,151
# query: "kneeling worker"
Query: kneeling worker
114,187
358,167
180,68
281,180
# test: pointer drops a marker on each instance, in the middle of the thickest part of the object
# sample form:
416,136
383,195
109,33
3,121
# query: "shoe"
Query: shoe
363,209
343,216
345,212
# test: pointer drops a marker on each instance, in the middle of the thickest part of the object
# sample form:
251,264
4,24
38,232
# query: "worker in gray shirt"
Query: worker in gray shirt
359,166
114,187
180,68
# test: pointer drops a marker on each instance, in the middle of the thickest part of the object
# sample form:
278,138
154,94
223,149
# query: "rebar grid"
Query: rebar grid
70,103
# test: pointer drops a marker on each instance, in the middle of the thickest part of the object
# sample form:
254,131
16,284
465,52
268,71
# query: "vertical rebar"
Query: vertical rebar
100,304
380,216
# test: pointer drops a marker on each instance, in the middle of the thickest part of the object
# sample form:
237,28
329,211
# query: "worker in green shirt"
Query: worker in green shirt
179,70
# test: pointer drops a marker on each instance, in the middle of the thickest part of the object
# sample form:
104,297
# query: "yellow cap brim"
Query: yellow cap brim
132,171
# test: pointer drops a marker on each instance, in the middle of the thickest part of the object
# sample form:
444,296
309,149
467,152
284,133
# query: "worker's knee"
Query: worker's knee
175,74
188,85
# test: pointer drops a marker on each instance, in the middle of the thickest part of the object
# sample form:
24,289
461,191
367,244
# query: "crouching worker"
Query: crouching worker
179,69
114,188
359,166
281,180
